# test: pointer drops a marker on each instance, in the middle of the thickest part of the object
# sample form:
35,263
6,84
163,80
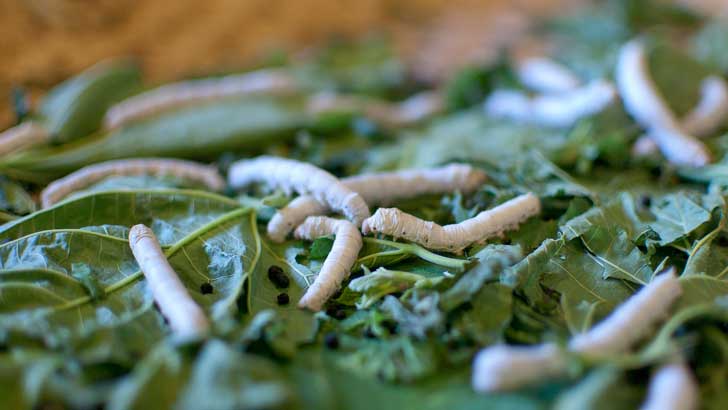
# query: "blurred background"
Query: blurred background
42,42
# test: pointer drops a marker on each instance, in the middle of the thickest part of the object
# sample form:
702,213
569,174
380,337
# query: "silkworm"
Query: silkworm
644,102
305,179
631,320
338,263
711,111
25,135
553,110
416,108
456,237
179,94
672,387
186,318
381,189
544,75
707,116
158,167
503,367
626,325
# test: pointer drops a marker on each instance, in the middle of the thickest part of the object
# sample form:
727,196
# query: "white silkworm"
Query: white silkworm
456,237
644,102
544,75
707,116
179,94
625,326
339,261
381,189
672,387
84,177
305,179
631,320
553,110
414,109
711,111
25,135
418,107
186,318
503,367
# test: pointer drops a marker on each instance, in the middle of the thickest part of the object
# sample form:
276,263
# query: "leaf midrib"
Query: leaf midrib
194,235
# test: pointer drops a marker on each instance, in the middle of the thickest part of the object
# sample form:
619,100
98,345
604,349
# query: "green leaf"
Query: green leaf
700,289
172,214
621,212
706,44
14,198
375,285
565,268
602,389
82,273
621,259
154,381
379,252
200,131
262,294
491,262
45,300
76,107
677,215
398,359
579,316
223,378
320,248
489,315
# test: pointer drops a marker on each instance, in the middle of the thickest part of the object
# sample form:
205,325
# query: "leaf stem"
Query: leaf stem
456,264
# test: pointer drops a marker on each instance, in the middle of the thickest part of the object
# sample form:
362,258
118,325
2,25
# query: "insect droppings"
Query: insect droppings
278,277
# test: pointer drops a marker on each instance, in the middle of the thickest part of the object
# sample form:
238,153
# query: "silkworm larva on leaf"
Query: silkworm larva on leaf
84,177
418,107
25,135
503,367
339,261
175,95
644,102
186,318
707,116
672,387
544,75
305,179
711,111
381,189
456,237
414,109
555,110
631,320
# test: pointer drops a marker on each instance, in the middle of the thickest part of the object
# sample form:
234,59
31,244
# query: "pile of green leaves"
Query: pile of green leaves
79,328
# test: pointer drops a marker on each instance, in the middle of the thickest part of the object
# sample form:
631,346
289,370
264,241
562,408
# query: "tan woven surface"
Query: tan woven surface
44,41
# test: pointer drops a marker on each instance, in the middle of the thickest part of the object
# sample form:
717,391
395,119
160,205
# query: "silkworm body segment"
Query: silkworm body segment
644,102
305,179
339,261
25,135
631,320
672,387
175,95
503,367
159,167
186,318
507,367
382,189
454,238
557,110
546,76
